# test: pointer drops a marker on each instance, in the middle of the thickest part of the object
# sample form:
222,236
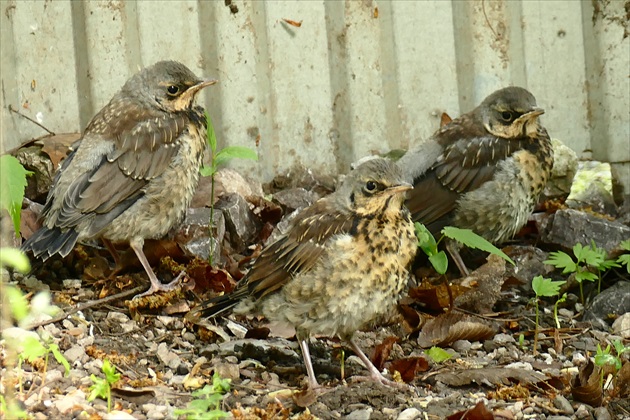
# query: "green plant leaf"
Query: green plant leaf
546,287
54,349
608,359
625,244
562,260
220,385
32,349
439,261
17,302
234,152
426,241
210,135
625,260
438,354
12,184
585,275
472,240
13,257
110,372
99,388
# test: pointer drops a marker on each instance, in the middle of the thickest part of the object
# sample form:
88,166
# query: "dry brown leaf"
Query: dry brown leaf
57,146
488,280
293,22
622,382
382,352
445,119
478,412
490,377
445,329
585,385
409,367
260,333
436,298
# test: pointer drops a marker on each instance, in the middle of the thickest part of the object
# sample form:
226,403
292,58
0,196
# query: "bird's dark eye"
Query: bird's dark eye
506,115
172,90
371,186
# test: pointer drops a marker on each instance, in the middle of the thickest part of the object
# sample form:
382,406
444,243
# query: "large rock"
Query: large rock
242,225
193,235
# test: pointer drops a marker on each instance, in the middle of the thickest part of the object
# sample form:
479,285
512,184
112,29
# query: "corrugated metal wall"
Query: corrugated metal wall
356,77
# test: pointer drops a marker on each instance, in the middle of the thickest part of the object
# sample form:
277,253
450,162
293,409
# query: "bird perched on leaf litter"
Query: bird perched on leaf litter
342,264
134,171
483,171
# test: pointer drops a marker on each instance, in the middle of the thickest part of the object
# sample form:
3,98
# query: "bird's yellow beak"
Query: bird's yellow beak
536,112
400,188
192,91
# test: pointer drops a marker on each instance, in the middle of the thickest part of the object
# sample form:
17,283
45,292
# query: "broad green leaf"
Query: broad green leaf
439,261
608,359
546,287
578,249
13,257
12,184
234,152
438,354
562,260
219,384
17,302
54,349
607,265
33,349
625,245
426,241
211,136
207,170
472,240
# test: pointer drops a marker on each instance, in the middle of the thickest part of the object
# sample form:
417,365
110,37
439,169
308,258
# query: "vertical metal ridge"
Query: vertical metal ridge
341,134
464,58
82,66
391,84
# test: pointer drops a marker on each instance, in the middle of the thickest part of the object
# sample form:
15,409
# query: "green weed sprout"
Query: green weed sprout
208,404
102,388
543,287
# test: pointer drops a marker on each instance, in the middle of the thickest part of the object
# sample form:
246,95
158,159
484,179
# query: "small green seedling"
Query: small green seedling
543,287
438,354
207,406
219,158
32,349
438,258
624,259
12,184
102,388
560,300
586,258
604,357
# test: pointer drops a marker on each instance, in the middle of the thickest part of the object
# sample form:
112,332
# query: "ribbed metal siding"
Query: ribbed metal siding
357,77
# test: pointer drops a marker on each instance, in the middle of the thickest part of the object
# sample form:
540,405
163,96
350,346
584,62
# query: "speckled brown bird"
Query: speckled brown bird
135,169
484,170
342,264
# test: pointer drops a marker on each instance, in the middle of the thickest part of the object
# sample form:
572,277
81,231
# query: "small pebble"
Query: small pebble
461,346
562,404
601,413
363,414
409,414
582,413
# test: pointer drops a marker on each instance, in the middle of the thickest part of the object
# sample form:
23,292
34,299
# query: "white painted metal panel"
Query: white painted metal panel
357,77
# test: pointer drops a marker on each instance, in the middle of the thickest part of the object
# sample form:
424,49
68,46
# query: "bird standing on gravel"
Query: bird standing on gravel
135,170
483,171
342,264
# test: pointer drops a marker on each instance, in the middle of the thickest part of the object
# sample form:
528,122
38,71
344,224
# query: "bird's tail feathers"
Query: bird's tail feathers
47,242
215,306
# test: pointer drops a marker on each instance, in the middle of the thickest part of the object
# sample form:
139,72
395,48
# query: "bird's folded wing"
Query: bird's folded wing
142,151
298,251
469,159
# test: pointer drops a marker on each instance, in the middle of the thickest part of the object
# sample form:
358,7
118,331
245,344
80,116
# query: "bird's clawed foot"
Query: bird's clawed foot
381,380
157,286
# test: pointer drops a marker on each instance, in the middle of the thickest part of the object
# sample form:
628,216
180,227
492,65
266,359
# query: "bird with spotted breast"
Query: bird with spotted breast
134,171
482,171
341,265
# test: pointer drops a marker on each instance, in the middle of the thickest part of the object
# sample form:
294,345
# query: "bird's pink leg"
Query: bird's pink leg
306,354
374,373
156,285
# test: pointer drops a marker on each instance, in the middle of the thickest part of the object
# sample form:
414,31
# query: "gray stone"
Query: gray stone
410,414
614,300
74,354
226,181
567,227
621,326
193,235
563,405
363,414
601,413
461,346
241,225
582,413
565,165
295,198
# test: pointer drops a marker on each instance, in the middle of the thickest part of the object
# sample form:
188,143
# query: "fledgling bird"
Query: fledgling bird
134,171
483,171
342,264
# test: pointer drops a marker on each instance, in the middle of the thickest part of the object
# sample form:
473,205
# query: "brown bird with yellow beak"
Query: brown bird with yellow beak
134,171
483,171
